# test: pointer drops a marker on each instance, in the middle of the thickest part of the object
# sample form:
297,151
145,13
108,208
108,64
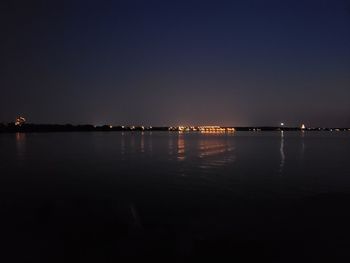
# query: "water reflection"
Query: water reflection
170,145
133,143
283,156
150,143
209,148
122,144
21,145
142,142
181,147
203,152
215,152
302,144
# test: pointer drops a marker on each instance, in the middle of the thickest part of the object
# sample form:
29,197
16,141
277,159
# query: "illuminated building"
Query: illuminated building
214,129
20,121
204,129
303,127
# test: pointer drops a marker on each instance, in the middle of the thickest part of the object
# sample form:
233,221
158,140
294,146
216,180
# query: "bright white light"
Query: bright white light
282,124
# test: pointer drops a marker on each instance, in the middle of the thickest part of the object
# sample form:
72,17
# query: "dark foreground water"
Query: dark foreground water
109,197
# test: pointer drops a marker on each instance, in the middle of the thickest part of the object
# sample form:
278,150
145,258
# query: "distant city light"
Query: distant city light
203,129
303,127
20,121
282,123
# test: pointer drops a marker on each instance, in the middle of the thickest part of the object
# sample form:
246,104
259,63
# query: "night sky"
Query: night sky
176,62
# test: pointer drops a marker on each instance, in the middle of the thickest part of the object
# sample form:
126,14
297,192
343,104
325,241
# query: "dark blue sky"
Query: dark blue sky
176,62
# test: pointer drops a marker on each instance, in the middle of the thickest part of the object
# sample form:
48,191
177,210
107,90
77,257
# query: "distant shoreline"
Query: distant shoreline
27,128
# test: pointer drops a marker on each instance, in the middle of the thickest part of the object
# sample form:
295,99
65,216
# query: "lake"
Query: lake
175,197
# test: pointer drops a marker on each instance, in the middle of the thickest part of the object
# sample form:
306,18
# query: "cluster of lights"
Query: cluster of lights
302,127
215,129
202,129
185,128
143,128
20,121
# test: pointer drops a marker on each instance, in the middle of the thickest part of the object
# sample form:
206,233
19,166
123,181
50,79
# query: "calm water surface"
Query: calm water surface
102,196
